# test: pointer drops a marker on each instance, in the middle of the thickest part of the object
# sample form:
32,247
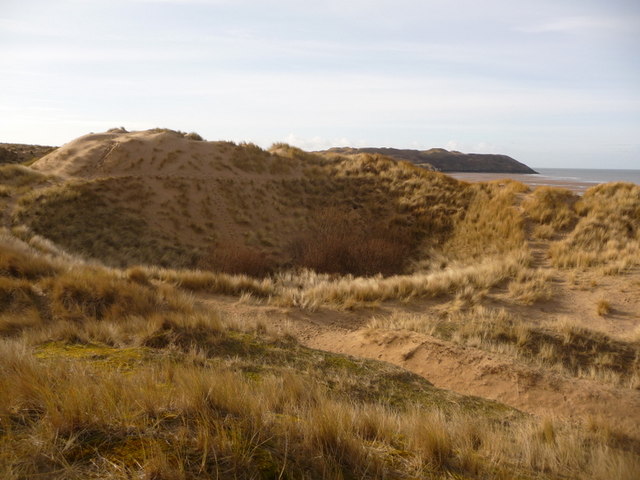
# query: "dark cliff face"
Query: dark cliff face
446,161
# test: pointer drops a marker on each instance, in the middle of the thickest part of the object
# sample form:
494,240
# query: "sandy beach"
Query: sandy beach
532,180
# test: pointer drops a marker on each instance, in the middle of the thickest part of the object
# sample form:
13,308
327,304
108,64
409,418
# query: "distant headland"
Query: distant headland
443,160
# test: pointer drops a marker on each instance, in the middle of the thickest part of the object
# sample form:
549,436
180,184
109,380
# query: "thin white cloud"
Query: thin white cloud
18,27
189,2
580,23
473,147
320,143
453,145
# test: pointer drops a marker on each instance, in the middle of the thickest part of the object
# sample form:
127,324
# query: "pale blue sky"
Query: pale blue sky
551,83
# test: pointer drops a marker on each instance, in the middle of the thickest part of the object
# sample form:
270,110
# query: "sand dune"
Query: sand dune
500,298
201,195
147,153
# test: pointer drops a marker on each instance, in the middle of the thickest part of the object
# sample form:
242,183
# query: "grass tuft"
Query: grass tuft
603,307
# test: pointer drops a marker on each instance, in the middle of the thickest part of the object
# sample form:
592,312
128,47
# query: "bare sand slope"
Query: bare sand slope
149,153
575,300
498,377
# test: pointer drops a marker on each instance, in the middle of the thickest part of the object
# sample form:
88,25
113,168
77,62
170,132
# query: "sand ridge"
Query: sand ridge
145,153
202,195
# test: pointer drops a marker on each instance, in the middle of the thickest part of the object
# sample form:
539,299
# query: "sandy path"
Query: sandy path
463,369
471,371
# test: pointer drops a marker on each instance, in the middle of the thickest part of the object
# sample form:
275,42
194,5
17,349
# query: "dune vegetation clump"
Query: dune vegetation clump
17,260
81,219
552,206
608,231
490,225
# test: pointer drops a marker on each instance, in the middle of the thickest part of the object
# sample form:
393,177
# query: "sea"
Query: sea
590,175
576,179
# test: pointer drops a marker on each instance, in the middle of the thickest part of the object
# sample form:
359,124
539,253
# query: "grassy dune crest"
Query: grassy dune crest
491,225
169,200
608,231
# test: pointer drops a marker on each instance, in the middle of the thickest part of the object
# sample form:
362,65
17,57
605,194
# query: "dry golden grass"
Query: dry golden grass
68,404
551,207
308,290
603,307
17,259
491,225
213,282
108,373
607,232
531,285
173,406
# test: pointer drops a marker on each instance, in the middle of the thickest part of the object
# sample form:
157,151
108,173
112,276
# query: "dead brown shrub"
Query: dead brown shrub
237,259
342,242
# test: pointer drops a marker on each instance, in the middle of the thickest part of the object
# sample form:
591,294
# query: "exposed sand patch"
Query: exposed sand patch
491,375
463,369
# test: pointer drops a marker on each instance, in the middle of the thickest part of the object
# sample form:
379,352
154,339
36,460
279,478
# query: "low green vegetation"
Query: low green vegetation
81,219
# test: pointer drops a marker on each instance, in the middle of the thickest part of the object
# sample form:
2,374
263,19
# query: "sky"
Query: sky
550,83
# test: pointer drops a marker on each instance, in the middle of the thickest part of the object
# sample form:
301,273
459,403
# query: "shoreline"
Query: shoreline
530,179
